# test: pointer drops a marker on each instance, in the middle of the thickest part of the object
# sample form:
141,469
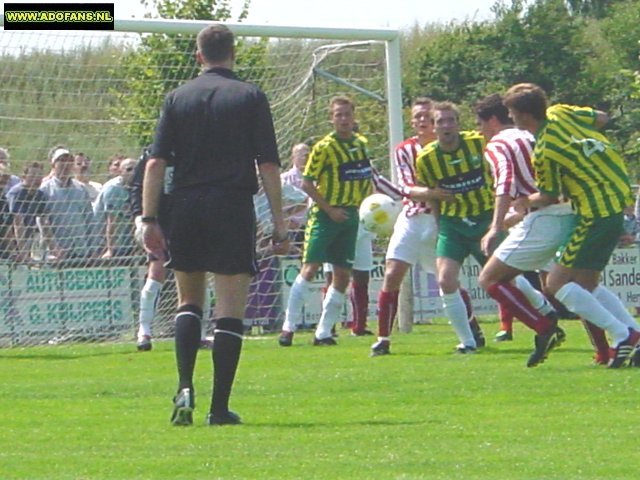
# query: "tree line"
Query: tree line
583,52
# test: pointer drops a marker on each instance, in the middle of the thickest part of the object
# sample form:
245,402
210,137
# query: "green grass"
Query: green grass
102,412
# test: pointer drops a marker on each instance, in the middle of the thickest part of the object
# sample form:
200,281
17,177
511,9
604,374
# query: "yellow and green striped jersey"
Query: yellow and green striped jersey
572,157
341,170
463,172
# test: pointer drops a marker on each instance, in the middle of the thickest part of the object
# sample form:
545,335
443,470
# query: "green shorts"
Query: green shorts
326,241
591,243
460,237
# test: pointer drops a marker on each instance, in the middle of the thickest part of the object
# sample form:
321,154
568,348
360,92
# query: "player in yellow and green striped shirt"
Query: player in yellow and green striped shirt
337,177
454,167
573,157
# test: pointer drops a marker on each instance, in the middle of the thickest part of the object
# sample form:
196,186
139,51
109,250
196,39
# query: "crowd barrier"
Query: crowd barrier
51,305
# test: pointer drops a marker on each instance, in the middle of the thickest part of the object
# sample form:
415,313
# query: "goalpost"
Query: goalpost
100,92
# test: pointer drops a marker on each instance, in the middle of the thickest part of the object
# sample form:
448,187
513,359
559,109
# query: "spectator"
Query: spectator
82,171
70,212
112,210
114,165
7,247
299,155
28,204
4,161
292,179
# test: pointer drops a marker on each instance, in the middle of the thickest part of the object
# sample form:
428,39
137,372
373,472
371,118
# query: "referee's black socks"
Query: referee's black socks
227,344
188,321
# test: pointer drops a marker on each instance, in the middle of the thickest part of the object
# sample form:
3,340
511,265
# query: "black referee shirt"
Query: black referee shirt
214,128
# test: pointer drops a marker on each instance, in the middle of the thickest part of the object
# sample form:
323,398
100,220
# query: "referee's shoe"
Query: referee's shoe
228,418
183,404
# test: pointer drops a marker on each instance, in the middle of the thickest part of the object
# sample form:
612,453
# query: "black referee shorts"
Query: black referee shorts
212,230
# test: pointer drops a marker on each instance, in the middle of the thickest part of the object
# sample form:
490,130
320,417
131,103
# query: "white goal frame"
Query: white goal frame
391,38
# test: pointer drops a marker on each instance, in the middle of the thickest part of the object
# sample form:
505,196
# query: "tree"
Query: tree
590,8
161,62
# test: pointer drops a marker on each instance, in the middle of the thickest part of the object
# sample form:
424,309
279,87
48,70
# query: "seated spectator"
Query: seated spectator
113,212
82,173
4,162
7,245
28,207
70,212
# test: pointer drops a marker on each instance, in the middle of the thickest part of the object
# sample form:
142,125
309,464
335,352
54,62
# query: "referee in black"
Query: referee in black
214,130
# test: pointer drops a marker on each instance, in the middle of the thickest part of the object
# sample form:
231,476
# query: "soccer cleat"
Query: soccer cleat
465,349
503,336
285,339
379,348
144,344
206,344
361,333
560,337
183,404
478,336
542,343
329,341
229,418
625,349
635,357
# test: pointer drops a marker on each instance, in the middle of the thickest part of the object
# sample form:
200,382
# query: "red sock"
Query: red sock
519,306
506,318
387,308
359,297
598,338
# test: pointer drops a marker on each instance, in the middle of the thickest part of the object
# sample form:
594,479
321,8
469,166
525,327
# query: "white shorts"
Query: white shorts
532,244
363,259
414,240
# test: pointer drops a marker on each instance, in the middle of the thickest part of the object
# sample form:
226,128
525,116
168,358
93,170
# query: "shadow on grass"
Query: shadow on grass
62,356
320,424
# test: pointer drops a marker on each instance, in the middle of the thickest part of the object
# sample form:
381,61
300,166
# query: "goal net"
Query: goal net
69,267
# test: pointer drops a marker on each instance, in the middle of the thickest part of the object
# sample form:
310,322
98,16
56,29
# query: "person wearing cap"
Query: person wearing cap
70,212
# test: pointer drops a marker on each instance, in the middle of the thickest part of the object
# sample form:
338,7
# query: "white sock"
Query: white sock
582,303
148,300
206,310
297,299
614,305
331,307
456,312
535,297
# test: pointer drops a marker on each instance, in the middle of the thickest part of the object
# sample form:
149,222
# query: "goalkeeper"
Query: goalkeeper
156,271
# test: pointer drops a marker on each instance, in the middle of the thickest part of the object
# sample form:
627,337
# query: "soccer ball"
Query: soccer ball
378,213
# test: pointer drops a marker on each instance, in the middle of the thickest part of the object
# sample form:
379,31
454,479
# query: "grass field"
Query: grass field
102,412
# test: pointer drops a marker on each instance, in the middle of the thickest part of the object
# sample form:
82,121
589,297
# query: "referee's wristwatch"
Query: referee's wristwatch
149,219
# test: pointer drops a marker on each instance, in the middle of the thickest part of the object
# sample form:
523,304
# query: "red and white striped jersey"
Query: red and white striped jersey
383,185
509,155
405,155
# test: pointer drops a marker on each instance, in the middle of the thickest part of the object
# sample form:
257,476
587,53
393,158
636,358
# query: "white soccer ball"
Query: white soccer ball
378,213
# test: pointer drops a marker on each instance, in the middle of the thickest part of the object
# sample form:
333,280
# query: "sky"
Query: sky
351,13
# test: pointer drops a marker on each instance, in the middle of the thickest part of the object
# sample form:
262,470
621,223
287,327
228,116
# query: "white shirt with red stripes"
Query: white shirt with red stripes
383,185
405,155
509,155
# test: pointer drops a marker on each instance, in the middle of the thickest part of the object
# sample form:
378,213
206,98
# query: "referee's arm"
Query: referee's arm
152,185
